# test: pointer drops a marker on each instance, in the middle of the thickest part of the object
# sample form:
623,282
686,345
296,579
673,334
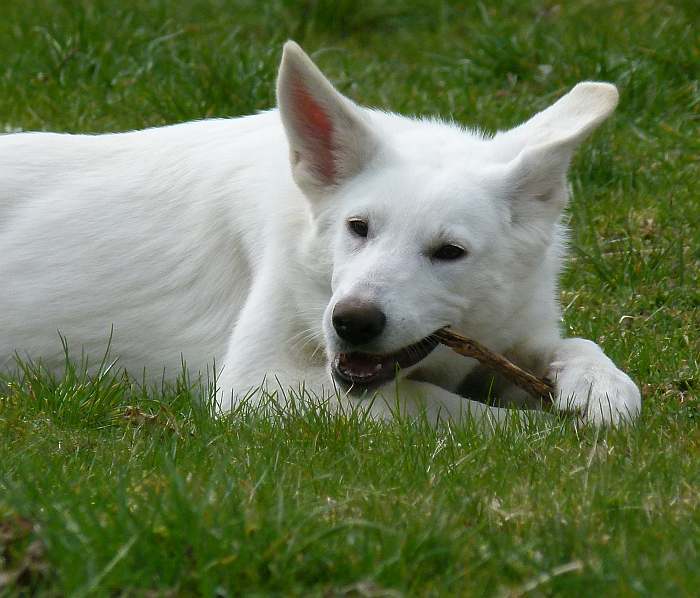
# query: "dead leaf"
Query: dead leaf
20,566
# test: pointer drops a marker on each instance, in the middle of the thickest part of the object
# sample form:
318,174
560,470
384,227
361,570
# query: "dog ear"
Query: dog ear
329,136
536,177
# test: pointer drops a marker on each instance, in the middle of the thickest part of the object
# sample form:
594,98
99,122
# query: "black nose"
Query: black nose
357,321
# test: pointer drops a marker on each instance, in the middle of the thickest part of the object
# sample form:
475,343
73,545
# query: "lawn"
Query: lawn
107,488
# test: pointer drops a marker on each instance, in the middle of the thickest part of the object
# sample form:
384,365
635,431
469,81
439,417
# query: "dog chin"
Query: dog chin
359,372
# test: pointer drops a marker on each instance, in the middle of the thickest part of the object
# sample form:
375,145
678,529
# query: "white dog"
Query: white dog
320,244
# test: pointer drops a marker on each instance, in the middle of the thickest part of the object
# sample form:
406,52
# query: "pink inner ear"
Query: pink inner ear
317,131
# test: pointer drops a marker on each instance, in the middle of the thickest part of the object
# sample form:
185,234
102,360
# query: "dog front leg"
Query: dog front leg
270,350
587,382
259,364
413,398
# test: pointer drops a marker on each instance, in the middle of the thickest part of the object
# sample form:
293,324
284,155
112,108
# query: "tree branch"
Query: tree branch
538,387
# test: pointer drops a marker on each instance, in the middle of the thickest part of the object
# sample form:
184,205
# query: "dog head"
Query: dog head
426,224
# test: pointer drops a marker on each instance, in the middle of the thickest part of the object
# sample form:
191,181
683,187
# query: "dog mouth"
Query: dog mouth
364,371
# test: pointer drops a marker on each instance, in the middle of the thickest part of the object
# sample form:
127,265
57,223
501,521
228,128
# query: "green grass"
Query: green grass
110,489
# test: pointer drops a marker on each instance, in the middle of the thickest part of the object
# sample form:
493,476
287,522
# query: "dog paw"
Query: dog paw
594,388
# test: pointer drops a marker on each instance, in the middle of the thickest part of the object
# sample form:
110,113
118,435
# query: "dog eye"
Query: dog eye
358,227
448,252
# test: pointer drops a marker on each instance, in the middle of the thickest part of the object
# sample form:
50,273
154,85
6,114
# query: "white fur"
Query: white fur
199,241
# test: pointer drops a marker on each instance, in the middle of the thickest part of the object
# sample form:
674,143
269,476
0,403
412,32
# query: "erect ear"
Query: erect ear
536,177
329,136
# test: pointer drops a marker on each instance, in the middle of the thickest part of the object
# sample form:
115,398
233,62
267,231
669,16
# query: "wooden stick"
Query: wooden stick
538,387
